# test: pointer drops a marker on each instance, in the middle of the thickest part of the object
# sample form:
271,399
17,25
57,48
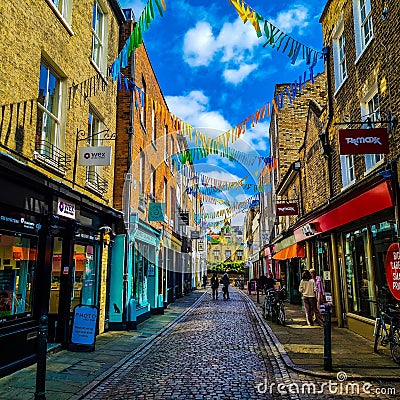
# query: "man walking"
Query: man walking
225,285
214,286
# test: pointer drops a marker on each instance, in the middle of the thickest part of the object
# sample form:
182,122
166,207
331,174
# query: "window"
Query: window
64,7
153,184
339,55
362,24
361,273
172,203
216,255
172,149
85,277
370,109
239,255
228,254
153,125
144,105
166,144
17,270
165,193
141,172
48,128
348,173
99,37
94,127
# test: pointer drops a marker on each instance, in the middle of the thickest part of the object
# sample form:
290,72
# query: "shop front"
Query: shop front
290,256
54,245
173,268
134,279
347,245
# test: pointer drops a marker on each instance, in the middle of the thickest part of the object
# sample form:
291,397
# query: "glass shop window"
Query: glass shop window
18,256
85,276
359,273
383,235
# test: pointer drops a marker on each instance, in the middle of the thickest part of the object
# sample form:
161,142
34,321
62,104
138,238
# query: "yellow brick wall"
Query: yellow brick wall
30,31
377,65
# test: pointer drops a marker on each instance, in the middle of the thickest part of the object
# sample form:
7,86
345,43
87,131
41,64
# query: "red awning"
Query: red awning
293,251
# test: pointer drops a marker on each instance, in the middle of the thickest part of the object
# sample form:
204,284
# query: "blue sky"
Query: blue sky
214,71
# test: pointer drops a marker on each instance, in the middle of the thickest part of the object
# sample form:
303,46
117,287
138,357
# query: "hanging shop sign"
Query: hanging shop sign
284,209
195,235
363,141
393,270
99,155
200,245
156,212
65,208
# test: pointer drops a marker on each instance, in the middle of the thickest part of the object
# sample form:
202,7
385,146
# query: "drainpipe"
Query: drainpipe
327,58
128,179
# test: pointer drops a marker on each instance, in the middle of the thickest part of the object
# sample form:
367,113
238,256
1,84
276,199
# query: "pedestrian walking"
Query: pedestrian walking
225,285
204,281
214,286
320,293
308,289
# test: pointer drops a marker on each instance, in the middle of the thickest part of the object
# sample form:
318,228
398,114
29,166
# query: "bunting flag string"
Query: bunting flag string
275,37
136,37
238,206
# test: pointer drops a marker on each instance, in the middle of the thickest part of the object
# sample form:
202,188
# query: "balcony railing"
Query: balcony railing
52,155
95,181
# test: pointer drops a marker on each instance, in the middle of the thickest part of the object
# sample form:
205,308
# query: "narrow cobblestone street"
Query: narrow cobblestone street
218,350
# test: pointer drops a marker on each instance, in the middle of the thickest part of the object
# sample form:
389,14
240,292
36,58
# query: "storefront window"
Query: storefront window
17,267
85,276
55,275
141,266
359,273
383,234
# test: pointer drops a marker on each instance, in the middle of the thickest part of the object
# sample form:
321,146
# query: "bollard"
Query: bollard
40,393
327,338
258,295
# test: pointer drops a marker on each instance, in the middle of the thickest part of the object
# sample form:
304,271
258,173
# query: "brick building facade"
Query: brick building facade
56,213
349,231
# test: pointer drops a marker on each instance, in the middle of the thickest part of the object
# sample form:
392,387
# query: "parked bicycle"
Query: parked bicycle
274,305
387,329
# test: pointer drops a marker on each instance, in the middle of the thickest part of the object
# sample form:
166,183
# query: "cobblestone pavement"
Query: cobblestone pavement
220,350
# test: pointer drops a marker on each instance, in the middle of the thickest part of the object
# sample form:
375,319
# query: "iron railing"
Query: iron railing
53,155
96,181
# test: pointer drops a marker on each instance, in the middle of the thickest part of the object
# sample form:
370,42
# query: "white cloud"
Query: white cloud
199,45
236,76
296,17
236,41
193,108
233,47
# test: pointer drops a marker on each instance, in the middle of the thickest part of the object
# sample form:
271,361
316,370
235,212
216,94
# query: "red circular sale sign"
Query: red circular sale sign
393,269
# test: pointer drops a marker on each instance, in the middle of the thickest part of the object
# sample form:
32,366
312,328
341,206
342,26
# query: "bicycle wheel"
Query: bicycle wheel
395,345
281,314
274,312
264,309
377,333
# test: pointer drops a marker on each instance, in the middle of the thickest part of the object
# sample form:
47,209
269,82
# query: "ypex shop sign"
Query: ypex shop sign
100,155
363,141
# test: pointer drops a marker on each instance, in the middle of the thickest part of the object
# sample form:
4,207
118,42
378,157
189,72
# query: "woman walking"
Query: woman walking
308,289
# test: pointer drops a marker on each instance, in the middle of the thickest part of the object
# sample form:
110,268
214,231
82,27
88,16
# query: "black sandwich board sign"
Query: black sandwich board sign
84,324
